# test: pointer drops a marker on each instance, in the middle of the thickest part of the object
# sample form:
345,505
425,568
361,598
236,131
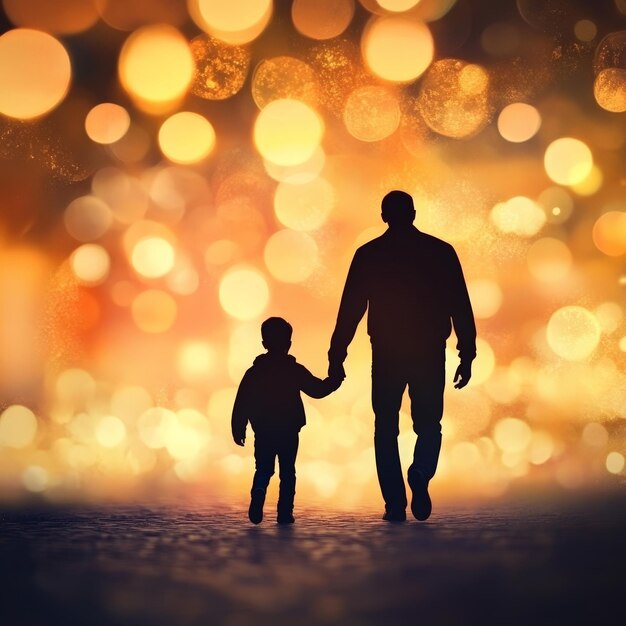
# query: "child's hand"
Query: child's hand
240,441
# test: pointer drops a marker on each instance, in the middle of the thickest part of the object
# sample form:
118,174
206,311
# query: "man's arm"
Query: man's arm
239,420
351,310
316,387
464,325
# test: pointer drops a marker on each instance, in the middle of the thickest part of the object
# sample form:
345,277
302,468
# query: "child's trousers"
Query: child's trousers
268,446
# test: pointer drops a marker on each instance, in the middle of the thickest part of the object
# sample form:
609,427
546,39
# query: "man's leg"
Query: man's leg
264,456
388,385
287,451
426,385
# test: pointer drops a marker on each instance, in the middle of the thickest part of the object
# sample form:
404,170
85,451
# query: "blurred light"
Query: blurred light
221,252
243,293
595,435
110,431
130,14
90,263
187,434
123,292
464,456
568,161
622,344
304,207
62,17
486,297
591,183
153,257
133,146
609,316
154,311
107,123
549,260
484,364
236,22
298,174
609,233
573,333
156,67
130,401
123,193
322,19
397,5
186,137
585,30
454,98
35,478
512,435
397,49
74,386
221,69
610,51
371,113
541,448
183,279
18,426
87,218
196,361
557,204
609,89
35,73
518,215
287,132
614,462
282,78
153,426
291,256
518,122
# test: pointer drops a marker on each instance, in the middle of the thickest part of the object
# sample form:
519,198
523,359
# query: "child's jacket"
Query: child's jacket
269,394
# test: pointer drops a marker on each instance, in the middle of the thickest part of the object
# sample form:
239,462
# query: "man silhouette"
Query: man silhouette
413,288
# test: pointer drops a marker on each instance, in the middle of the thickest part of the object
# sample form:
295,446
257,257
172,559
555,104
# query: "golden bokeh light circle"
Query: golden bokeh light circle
372,113
90,263
153,257
244,293
35,73
291,256
512,435
573,333
304,207
18,427
484,364
186,137
156,67
287,132
568,161
322,19
609,233
518,122
397,49
519,216
87,218
110,431
549,260
609,89
397,6
298,174
61,17
284,77
154,311
107,123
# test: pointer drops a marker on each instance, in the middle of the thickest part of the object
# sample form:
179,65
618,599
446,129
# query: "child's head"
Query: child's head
276,334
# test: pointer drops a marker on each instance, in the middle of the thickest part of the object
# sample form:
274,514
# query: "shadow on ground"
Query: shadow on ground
172,566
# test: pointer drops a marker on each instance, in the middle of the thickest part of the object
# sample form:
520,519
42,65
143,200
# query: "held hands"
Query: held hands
463,374
336,372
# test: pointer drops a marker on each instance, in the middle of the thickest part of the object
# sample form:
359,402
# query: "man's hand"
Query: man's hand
240,441
336,371
463,374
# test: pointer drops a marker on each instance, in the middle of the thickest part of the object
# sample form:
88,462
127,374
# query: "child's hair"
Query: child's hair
276,332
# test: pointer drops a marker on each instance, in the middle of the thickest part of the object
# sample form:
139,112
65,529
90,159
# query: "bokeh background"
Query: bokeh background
172,173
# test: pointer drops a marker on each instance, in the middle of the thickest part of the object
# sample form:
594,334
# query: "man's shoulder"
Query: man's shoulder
435,242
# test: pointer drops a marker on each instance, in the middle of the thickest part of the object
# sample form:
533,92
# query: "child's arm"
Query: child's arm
316,387
239,420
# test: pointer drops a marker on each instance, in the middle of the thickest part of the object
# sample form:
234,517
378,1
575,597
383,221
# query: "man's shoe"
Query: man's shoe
395,515
285,518
421,506
257,500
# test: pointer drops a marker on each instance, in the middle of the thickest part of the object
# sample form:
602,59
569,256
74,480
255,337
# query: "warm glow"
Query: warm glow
107,123
90,263
519,216
609,233
154,311
573,333
35,73
291,256
322,19
156,67
63,17
153,257
297,174
282,78
287,132
486,297
568,161
397,49
397,5
512,435
18,427
87,218
196,361
609,89
236,21
304,207
615,462
186,137
110,431
371,113
518,122
549,260
244,293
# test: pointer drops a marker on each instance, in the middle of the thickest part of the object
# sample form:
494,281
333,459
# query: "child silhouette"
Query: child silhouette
269,398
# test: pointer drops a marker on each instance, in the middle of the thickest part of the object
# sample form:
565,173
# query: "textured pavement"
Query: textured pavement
181,566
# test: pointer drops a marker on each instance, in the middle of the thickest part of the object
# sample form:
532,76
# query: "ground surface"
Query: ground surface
505,564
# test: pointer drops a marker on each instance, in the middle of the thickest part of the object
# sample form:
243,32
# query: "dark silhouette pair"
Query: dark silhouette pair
413,288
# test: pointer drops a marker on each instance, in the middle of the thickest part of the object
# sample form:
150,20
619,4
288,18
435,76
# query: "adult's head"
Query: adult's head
397,209
276,334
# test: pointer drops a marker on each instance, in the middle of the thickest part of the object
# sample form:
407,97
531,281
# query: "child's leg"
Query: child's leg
264,457
287,451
